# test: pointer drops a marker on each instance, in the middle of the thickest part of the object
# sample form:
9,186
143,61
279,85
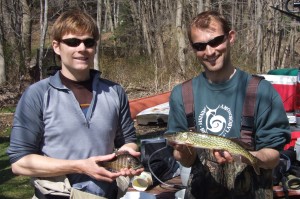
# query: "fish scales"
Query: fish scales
122,160
208,141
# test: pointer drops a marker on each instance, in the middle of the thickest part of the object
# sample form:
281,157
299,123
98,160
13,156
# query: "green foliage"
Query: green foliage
11,186
7,109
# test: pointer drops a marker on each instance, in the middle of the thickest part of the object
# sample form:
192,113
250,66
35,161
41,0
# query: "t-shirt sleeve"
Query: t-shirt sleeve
126,132
27,125
272,125
177,118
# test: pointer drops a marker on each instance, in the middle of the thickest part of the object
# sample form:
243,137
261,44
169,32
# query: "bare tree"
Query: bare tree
2,62
259,38
180,37
146,23
99,20
200,6
108,16
26,35
156,29
287,48
43,26
11,29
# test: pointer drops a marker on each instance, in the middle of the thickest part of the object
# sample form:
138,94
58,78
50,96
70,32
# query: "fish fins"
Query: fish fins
256,169
254,165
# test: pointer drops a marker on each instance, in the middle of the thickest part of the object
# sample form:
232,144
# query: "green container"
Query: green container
284,71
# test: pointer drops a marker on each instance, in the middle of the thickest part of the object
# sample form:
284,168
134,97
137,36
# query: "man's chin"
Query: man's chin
213,67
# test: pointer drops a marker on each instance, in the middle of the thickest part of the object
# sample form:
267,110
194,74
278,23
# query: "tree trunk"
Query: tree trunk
10,25
157,18
207,5
145,28
137,24
26,36
97,55
2,63
200,6
109,16
180,37
116,13
259,38
44,26
287,49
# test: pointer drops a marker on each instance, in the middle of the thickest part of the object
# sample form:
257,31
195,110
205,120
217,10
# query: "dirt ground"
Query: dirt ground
6,120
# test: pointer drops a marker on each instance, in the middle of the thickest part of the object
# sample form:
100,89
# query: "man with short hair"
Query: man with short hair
69,123
219,93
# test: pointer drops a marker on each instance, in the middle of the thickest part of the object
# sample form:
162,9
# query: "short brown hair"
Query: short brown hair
203,21
74,21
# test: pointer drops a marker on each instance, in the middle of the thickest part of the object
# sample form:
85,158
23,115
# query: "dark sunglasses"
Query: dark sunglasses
213,43
74,42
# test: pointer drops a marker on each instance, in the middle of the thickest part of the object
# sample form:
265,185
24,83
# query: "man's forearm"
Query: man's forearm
42,166
268,158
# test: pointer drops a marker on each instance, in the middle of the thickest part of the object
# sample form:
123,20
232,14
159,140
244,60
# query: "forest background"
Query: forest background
144,47
144,44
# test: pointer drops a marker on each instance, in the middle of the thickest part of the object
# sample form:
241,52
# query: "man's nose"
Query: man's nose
209,50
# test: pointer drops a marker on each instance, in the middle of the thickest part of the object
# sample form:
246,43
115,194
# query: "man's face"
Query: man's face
216,54
77,56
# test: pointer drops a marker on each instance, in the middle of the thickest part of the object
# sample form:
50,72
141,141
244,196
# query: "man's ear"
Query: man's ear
56,47
231,37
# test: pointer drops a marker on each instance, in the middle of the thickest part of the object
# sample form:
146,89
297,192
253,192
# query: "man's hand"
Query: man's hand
223,157
131,148
184,154
91,168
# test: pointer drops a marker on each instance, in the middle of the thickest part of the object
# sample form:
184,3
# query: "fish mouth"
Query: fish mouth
169,135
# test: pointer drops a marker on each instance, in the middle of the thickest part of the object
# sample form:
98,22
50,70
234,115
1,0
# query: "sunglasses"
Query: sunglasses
213,43
74,42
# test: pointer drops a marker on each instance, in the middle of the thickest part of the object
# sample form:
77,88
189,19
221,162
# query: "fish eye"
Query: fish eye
184,136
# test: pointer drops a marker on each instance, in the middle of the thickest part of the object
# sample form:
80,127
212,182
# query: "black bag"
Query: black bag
282,170
162,163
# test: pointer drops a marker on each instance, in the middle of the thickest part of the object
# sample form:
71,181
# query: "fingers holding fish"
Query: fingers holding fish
214,142
184,154
106,175
130,149
123,162
131,172
223,157
91,168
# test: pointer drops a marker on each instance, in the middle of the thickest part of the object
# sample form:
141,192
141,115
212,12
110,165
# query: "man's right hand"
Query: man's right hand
184,154
91,168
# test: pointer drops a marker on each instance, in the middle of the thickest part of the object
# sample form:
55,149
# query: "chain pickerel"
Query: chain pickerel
214,142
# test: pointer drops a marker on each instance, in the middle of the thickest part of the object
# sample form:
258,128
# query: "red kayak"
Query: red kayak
140,104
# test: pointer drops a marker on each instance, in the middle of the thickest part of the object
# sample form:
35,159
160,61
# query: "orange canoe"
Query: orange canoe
140,104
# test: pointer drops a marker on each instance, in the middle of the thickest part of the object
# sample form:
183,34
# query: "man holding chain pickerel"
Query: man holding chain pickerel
219,94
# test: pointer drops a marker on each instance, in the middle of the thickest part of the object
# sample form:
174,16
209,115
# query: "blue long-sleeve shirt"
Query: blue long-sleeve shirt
49,121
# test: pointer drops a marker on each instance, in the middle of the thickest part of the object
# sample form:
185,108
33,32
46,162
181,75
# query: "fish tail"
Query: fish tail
253,164
256,169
